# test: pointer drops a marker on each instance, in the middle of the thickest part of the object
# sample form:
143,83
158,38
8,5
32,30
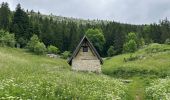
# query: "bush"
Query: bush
111,52
39,48
7,39
131,58
33,41
130,46
66,54
52,49
34,45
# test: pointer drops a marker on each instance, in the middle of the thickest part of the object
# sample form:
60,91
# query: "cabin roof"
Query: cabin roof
91,47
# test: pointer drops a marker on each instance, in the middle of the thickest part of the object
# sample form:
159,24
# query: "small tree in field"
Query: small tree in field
52,49
33,41
131,44
34,45
111,52
40,48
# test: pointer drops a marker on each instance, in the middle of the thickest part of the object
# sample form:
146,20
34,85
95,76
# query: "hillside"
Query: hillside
27,76
148,69
152,60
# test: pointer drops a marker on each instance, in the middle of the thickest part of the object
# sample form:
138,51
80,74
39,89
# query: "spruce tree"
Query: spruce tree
5,16
20,26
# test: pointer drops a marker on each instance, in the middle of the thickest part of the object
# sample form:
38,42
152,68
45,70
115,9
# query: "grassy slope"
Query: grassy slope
152,60
27,76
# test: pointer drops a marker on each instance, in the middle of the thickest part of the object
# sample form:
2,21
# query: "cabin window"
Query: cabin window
85,49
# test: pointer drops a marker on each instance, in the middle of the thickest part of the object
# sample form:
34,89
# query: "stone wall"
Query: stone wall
86,61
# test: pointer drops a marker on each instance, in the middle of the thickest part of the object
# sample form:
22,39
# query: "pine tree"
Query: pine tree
20,26
5,16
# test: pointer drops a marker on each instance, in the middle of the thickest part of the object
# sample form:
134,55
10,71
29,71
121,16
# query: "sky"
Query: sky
124,11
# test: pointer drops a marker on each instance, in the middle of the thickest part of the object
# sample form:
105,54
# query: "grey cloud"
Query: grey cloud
127,11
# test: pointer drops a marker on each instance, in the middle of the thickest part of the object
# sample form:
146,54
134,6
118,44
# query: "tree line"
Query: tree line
65,34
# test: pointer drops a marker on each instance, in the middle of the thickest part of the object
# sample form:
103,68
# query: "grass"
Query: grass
143,68
153,60
27,76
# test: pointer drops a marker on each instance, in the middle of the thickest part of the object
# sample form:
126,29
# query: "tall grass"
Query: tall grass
153,60
27,76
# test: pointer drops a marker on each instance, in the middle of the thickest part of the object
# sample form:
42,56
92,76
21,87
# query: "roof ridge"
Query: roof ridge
78,48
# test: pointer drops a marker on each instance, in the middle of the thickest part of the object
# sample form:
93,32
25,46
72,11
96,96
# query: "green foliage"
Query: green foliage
52,49
165,30
96,37
7,39
65,33
20,26
34,45
131,44
111,52
27,76
33,41
66,54
5,16
40,48
167,41
132,36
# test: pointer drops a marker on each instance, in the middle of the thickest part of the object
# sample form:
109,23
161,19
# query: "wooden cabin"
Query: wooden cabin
85,57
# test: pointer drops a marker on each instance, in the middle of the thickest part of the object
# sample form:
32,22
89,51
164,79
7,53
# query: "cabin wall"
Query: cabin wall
86,61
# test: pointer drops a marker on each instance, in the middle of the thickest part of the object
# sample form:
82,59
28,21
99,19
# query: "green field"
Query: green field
27,76
152,60
144,68
143,75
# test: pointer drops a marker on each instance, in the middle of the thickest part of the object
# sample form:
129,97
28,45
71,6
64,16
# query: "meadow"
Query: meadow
27,76
148,70
152,60
143,75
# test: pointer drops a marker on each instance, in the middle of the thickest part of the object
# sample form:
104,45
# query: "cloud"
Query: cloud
126,11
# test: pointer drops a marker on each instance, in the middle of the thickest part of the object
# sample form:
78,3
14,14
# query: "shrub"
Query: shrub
66,54
131,43
34,45
39,48
52,49
7,39
33,41
130,46
131,58
111,51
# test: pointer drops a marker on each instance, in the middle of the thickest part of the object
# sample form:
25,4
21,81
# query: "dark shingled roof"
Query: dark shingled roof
94,51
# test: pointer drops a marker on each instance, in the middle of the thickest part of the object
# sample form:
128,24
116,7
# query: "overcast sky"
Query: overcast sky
125,11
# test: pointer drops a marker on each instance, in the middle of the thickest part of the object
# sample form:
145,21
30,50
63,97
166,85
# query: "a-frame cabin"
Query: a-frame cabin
85,57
